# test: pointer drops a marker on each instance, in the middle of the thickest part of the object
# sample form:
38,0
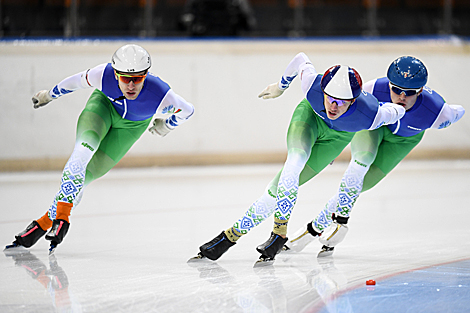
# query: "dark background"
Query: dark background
255,18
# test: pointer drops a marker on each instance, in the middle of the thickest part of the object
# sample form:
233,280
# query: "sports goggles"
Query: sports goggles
338,101
126,79
408,92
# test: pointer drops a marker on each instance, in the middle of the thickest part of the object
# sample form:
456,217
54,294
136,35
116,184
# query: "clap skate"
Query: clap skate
57,233
335,235
269,249
301,239
213,249
28,237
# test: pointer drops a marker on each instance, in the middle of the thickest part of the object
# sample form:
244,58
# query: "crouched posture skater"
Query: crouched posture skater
117,113
376,152
322,125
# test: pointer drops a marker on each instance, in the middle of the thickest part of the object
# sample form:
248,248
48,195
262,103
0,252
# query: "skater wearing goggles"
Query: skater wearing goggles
376,152
323,124
119,110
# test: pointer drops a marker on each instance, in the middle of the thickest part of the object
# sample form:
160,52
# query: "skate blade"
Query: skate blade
199,258
14,249
291,250
52,249
286,249
325,253
263,261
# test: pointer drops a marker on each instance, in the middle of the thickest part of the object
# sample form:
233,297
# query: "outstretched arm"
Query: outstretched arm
81,80
300,64
450,114
388,113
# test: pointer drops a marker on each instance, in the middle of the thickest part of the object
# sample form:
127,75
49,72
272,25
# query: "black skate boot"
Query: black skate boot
28,237
270,248
216,247
57,233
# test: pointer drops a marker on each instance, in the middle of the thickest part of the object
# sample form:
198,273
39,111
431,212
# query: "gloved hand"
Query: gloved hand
41,98
271,92
396,111
159,127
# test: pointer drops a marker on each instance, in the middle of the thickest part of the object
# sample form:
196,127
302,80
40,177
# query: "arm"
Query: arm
180,111
388,113
300,64
450,114
369,86
85,79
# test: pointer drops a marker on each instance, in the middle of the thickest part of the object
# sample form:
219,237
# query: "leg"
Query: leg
300,138
91,127
281,194
325,147
325,150
391,149
364,148
117,136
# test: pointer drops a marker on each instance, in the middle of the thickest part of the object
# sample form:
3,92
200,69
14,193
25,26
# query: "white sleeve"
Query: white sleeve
300,64
369,86
180,109
82,80
388,113
449,114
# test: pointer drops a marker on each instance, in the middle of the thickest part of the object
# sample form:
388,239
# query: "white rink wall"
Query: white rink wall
222,79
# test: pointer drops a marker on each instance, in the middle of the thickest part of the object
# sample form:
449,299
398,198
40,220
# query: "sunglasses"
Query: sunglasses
338,101
126,79
408,92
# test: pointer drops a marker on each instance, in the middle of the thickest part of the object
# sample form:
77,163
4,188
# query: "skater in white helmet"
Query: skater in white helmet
376,152
120,109
323,124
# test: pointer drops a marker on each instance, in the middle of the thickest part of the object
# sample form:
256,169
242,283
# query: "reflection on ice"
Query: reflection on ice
52,278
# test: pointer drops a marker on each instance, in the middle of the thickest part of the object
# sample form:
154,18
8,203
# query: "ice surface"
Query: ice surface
135,229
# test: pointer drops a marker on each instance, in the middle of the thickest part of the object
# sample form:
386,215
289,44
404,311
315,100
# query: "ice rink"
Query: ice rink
135,229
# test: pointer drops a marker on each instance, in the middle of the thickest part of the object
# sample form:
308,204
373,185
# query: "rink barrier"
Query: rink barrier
238,129
129,161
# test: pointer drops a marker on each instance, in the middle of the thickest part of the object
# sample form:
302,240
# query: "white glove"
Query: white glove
159,127
271,92
41,98
397,111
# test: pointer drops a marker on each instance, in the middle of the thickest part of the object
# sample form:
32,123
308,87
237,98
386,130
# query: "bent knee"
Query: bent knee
363,158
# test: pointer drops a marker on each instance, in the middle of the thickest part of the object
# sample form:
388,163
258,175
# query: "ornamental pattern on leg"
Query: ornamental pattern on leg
348,192
287,190
323,220
350,189
256,214
73,179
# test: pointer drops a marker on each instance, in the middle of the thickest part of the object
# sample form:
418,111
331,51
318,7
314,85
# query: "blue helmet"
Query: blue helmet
407,72
341,82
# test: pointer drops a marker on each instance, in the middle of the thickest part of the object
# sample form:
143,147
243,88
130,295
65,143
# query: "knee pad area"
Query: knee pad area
296,158
363,159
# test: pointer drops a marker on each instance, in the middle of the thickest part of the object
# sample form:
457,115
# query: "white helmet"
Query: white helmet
131,59
342,82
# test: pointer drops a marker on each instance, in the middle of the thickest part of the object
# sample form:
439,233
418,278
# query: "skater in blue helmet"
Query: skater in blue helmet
374,153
